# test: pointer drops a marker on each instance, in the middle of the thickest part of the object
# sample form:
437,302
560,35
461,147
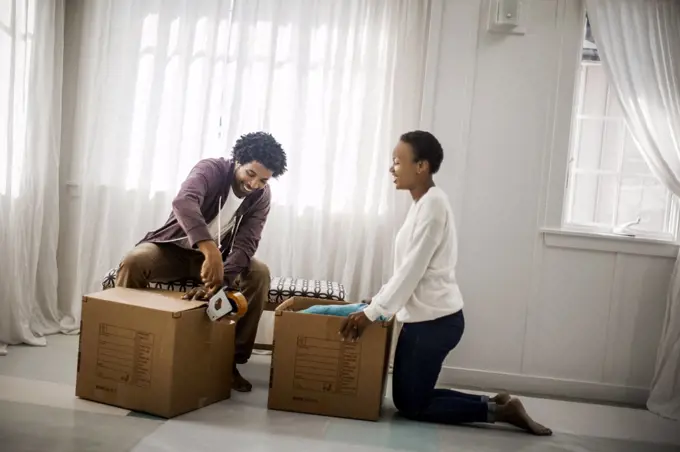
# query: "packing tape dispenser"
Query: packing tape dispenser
226,302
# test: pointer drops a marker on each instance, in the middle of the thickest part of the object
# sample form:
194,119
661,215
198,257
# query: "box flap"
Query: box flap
302,303
159,300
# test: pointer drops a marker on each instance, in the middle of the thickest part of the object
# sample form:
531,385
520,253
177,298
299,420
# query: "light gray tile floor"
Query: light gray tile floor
39,413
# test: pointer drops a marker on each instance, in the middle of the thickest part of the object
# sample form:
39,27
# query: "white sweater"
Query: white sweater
423,286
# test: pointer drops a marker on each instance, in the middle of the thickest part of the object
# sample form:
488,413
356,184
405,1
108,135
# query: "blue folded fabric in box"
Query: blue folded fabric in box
339,310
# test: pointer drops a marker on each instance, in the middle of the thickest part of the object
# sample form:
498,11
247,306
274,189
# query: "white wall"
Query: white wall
545,314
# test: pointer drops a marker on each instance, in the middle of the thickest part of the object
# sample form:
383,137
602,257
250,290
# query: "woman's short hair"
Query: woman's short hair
425,148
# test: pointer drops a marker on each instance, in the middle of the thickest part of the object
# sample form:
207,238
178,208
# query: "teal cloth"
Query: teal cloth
340,310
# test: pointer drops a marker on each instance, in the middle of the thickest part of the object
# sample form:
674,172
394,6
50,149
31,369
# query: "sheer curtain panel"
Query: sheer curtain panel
31,51
639,43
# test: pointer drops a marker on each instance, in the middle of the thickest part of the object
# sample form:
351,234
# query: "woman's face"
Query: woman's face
405,170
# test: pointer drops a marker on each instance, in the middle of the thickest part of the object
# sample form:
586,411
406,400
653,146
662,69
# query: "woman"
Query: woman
424,295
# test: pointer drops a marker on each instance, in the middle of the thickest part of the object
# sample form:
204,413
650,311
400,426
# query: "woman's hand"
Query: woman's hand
354,325
212,271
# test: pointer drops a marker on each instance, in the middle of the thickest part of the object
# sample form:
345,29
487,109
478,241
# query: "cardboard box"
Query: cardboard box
313,371
150,351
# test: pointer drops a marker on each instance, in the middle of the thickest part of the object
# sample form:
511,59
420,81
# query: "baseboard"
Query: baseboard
544,386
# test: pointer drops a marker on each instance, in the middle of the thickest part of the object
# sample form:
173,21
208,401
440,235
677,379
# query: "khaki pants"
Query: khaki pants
166,262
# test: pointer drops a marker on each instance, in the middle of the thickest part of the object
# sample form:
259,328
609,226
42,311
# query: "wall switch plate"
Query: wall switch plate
507,16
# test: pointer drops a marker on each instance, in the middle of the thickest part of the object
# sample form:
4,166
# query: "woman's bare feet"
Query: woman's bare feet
513,413
240,384
501,398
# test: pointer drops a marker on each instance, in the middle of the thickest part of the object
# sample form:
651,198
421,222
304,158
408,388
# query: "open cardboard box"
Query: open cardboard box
313,371
150,351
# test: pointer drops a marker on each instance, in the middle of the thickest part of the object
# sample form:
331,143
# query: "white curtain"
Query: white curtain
639,44
31,50
156,85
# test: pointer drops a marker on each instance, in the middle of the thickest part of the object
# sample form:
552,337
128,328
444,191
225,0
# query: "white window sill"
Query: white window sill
609,243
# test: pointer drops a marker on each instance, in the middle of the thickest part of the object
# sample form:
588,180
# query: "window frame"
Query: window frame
553,225
672,213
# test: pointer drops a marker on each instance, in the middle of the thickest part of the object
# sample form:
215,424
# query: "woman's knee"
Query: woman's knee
407,407
407,400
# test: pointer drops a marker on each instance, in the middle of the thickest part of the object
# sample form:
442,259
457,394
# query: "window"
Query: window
252,76
610,187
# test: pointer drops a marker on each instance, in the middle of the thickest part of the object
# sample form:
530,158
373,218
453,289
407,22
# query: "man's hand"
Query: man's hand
202,293
354,325
212,272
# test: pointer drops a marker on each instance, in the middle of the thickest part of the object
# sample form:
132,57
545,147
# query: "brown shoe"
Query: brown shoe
240,384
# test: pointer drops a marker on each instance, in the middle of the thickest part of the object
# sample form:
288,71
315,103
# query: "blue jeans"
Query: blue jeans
421,350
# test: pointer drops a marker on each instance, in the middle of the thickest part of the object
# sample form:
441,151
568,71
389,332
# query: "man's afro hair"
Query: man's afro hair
261,147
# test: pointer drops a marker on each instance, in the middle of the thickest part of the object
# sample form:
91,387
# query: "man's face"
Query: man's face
250,177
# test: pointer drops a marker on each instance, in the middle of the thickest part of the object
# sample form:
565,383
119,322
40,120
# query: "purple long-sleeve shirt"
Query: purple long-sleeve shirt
198,203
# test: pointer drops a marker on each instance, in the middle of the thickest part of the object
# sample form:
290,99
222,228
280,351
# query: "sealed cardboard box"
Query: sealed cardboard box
313,371
151,351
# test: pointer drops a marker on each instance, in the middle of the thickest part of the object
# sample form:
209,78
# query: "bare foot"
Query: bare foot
501,398
240,384
513,413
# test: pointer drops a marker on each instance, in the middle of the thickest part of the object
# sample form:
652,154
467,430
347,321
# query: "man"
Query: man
213,232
